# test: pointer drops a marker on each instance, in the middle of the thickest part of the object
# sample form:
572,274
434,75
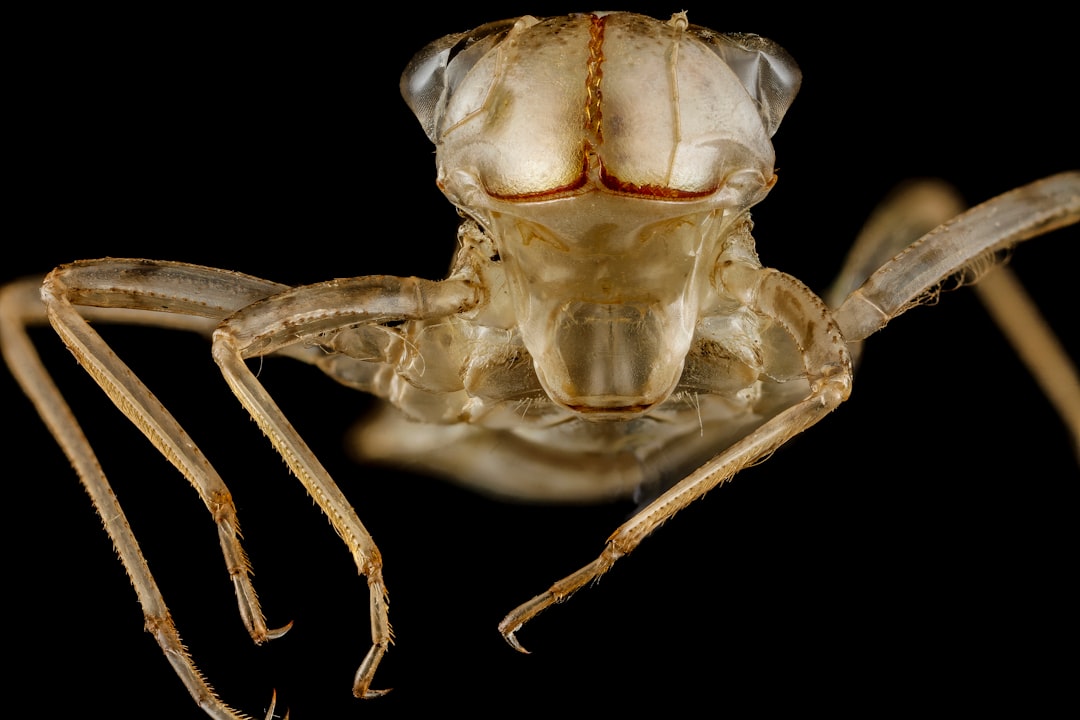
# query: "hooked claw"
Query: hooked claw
276,633
273,700
509,635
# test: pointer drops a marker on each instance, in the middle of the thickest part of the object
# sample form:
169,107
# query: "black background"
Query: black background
914,547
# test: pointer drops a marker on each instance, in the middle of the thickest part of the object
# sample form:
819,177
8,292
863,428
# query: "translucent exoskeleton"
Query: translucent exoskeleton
606,331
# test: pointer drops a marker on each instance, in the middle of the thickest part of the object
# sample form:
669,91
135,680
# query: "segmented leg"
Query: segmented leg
828,369
304,316
914,275
291,323
912,210
20,306
1019,318
965,247
1009,219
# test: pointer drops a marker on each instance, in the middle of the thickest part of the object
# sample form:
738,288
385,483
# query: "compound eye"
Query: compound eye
435,71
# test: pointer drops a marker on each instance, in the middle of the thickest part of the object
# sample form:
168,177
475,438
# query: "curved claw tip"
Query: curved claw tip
511,638
369,694
273,705
278,632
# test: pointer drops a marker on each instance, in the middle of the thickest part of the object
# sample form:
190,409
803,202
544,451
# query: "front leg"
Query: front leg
306,315
828,369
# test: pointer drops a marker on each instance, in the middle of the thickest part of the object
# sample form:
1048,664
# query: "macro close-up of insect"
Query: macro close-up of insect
608,327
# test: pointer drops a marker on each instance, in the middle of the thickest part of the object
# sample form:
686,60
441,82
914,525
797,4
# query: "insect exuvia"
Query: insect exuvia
606,329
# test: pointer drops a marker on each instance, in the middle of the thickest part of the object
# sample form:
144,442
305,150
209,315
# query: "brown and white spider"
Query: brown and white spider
809,224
